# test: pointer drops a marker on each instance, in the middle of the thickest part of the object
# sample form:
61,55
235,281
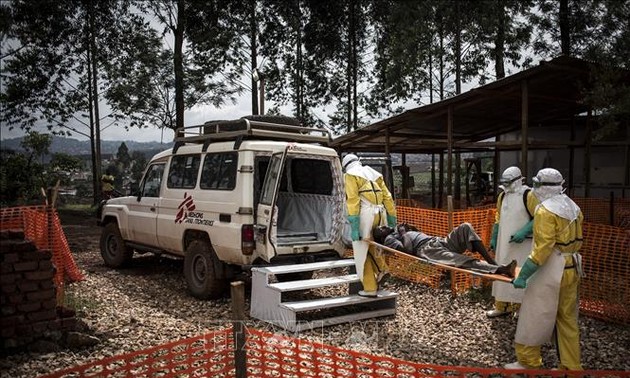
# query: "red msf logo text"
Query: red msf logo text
186,205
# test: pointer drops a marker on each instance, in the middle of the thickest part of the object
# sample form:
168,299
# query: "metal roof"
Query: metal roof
552,92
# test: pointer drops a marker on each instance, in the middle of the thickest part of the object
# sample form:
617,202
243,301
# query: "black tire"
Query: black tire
113,249
204,272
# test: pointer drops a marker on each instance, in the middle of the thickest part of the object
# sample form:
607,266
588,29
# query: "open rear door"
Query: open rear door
267,218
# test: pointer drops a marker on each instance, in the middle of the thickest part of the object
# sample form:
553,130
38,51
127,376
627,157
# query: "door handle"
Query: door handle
153,209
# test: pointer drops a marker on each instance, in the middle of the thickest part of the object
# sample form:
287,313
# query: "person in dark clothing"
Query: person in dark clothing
447,251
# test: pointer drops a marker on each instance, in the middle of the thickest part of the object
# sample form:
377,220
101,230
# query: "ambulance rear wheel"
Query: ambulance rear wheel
204,271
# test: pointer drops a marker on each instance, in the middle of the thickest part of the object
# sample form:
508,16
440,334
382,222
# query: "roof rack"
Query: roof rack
243,128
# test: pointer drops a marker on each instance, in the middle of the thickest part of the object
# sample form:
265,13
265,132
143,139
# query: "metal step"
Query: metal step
267,297
323,303
302,325
296,268
314,283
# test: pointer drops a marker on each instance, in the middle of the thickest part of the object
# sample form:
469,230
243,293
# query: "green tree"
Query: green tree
139,163
596,30
203,72
60,59
122,156
60,168
15,178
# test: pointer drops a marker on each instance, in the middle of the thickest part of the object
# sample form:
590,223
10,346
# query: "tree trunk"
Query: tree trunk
96,190
349,69
299,68
96,121
254,55
565,37
458,50
355,73
499,42
178,64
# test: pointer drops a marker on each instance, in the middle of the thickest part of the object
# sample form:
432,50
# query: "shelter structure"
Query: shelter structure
535,118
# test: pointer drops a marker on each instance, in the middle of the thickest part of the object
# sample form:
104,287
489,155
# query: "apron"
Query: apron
369,212
537,316
514,215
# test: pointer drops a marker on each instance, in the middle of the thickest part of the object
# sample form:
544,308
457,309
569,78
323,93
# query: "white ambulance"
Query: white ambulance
231,195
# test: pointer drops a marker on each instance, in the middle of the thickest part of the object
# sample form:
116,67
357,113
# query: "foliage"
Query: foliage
23,174
352,60
122,156
15,179
139,163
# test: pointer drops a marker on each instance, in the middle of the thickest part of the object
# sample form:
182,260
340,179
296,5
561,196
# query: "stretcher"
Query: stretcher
491,277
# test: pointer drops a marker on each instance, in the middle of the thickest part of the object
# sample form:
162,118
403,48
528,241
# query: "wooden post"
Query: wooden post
449,202
433,201
237,292
587,154
524,126
449,156
51,201
611,208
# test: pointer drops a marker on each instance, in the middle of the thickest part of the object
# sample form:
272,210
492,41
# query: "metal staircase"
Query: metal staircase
269,302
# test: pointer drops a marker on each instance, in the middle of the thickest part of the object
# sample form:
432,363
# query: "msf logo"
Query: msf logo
184,207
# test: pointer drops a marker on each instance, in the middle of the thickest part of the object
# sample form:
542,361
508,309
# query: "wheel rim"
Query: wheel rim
199,270
112,246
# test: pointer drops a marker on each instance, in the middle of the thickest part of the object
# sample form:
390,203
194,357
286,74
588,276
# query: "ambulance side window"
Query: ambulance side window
183,172
152,181
219,171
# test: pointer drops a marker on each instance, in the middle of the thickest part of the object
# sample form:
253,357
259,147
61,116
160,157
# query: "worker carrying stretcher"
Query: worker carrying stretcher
369,204
551,276
446,251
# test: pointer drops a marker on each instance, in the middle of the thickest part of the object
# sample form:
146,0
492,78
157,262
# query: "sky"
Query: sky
195,116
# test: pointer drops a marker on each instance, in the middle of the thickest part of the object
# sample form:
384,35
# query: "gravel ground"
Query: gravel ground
147,305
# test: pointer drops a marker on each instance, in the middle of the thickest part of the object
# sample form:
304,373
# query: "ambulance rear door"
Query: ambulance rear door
267,215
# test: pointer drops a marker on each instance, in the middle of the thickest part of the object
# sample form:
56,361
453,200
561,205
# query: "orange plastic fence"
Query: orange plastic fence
605,290
209,355
273,355
41,225
614,212
610,211
436,222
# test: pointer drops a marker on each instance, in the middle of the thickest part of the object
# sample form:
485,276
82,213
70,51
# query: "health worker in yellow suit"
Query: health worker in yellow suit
550,276
369,204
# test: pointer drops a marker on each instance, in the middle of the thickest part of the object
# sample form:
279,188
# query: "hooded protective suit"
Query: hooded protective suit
515,209
551,295
369,204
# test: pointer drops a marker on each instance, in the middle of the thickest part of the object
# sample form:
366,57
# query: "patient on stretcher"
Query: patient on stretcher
447,251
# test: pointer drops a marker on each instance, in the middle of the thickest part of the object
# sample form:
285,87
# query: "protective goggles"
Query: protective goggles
508,182
537,183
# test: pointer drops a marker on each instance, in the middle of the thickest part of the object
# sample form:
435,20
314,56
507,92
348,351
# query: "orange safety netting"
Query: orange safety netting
605,289
42,226
604,292
274,355
209,355
613,211
436,222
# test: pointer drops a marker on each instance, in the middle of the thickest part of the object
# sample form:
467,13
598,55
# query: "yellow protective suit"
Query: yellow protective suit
363,198
554,237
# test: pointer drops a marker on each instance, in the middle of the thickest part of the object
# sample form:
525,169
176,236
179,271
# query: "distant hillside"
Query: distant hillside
82,147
